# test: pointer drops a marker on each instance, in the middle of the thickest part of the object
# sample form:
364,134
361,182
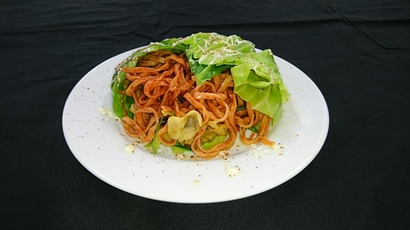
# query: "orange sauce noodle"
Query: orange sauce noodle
162,83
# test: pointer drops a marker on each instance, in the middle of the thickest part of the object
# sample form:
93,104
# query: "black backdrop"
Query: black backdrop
356,52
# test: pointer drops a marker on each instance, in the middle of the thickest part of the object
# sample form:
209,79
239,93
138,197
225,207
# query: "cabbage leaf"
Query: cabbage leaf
255,74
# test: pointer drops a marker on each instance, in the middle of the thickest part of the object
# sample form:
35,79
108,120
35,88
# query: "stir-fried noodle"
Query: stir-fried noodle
162,85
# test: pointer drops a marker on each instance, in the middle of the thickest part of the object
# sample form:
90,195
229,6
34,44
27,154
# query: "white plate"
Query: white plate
98,141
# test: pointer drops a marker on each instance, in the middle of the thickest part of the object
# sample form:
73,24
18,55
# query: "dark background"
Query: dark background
357,52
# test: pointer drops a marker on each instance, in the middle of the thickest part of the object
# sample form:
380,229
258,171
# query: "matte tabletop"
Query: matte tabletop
356,52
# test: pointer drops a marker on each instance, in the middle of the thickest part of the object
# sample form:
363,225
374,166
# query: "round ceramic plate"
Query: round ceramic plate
97,140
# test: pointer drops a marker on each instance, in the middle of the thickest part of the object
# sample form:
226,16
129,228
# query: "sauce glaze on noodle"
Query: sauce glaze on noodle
162,85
